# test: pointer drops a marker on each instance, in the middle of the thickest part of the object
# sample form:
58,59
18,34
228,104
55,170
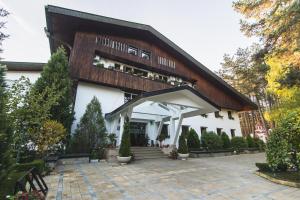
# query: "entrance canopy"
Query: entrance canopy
168,105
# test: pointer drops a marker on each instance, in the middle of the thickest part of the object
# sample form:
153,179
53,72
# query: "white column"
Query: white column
177,130
122,121
172,129
161,123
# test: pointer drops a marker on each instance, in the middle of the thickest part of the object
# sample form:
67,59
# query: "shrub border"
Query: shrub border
278,181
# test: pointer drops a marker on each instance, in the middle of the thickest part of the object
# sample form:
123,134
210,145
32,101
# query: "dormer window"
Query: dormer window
133,50
146,55
217,115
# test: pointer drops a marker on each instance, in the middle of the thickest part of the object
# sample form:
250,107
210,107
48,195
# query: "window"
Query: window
140,73
232,132
230,115
133,50
184,130
128,96
146,55
219,131
217,115
128,69
203,129
164,130
117,66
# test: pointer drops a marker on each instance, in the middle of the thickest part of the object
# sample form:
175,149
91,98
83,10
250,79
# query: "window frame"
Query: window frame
133,49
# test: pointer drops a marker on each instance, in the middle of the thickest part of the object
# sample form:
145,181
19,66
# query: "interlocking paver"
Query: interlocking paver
221,178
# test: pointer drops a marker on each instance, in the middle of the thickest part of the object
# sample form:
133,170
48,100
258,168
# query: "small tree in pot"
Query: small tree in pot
183,152
124,151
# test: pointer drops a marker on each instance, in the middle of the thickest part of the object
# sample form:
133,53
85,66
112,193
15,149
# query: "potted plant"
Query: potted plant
124,151
94,156
183,149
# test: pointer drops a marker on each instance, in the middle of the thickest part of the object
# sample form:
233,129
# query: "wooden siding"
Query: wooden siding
85,46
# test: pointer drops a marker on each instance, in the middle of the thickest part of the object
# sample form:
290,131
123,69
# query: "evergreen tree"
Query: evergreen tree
92,127
226,140
124,150
5,156
182,147
56,74
193,140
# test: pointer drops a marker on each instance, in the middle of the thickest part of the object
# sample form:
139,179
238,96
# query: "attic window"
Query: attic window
146,55
133,50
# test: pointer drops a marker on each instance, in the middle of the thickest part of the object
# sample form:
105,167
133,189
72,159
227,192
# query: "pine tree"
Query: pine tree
226,140
56,74
5,156
91,127
124,150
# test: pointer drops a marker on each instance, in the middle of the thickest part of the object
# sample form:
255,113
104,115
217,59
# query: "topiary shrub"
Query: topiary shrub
193,140
226,140
277,151
124,150
250,141
258,143
182,148
211,141
238,143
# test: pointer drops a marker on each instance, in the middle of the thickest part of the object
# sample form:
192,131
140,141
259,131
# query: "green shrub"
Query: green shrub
193,140
277,151
211,141
263,167
226,140
183,148
7,185
258,143
38,164
124,150
238,143
250,141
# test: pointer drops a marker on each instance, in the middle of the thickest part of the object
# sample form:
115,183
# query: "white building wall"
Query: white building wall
111,98
12,76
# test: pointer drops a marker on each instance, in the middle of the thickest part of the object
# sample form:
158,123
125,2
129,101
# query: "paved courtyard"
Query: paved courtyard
228,177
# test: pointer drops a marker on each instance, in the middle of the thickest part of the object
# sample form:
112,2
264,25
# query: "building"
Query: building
135,71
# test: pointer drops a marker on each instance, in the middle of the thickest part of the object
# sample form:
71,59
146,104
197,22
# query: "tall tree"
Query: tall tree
277,24
56,74
5,133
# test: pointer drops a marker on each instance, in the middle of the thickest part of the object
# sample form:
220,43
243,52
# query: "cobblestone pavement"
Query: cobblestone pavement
216,178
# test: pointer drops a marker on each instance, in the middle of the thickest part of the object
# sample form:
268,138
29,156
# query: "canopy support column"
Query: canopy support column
177,130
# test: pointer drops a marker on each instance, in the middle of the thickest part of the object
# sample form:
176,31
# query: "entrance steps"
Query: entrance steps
147,153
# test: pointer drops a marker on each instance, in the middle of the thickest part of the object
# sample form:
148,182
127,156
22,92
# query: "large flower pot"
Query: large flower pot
183,156
123,159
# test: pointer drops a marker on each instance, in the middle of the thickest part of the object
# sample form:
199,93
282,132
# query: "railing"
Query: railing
35,181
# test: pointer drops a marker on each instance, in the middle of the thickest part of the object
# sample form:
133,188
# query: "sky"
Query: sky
206,29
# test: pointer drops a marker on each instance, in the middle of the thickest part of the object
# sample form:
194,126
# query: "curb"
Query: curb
278,181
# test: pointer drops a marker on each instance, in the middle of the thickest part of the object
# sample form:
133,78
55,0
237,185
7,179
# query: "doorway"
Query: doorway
138,135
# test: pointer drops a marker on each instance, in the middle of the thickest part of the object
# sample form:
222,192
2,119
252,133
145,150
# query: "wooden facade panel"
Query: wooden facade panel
84,48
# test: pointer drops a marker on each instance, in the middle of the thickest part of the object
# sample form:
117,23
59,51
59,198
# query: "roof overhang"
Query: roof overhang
183,96
23,66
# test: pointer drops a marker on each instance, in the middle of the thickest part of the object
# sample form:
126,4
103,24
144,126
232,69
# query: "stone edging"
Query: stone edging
278,181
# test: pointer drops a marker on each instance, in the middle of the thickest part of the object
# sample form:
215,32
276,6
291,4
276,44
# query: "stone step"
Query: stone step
147,153
149,157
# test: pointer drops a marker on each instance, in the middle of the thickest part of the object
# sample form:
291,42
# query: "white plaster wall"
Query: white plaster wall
212,123
110,99
15,75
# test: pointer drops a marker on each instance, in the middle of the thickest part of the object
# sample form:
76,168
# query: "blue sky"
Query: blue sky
206,29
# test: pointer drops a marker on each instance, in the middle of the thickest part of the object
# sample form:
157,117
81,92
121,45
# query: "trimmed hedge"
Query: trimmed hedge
124,150
263,167
226,140
211,141
23,167
250,141
238,143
